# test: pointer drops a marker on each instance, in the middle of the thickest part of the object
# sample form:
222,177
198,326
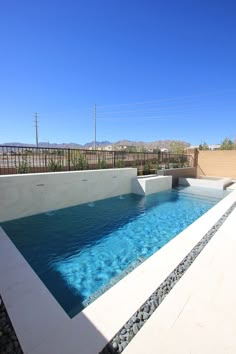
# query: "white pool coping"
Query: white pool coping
43,327
232,187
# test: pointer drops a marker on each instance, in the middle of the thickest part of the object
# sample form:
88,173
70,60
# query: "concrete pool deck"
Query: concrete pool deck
42,326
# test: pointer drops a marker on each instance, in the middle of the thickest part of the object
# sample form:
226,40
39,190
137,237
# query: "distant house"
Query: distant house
193,147
121,147
108,148
211,147
214,147
164,150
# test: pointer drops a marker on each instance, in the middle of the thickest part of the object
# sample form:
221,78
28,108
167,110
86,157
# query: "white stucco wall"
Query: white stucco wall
149,185
29,194
220,183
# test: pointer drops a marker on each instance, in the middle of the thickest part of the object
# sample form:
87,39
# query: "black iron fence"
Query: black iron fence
20,159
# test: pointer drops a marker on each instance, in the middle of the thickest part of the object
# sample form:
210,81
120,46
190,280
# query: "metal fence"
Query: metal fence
21,159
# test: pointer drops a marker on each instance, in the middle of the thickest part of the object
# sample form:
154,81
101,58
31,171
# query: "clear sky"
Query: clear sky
157,69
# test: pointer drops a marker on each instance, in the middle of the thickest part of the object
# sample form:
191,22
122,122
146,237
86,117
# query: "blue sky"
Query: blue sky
157,69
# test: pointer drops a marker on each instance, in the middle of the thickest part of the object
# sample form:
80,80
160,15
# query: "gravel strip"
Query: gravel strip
9,343
135,323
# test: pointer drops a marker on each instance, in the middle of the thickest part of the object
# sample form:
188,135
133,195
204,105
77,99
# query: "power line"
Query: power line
171,99
166,101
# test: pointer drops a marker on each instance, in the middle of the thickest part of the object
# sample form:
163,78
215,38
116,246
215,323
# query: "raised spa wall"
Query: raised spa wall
206,182
30,194
149,185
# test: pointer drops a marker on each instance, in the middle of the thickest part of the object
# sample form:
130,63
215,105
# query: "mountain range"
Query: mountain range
148,145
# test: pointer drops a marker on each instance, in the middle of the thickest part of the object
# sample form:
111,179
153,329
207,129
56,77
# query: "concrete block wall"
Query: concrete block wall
29,194
217,163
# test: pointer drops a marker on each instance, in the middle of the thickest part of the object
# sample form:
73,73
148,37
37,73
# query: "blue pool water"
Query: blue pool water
79,252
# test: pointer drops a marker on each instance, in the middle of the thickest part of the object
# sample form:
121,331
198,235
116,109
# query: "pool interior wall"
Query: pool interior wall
30,194
92,240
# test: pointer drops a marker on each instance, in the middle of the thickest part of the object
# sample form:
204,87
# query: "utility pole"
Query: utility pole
95,126
36,129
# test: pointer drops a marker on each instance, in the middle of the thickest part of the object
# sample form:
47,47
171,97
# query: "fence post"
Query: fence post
114,159
69,159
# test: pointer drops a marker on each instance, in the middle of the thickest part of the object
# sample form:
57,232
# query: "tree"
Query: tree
227,144
203,146
177,147
131,148
156,150
141,148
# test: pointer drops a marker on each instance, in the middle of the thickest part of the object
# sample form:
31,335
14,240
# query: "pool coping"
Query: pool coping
42,326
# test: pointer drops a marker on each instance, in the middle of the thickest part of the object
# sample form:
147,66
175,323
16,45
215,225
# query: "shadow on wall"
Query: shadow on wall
200,171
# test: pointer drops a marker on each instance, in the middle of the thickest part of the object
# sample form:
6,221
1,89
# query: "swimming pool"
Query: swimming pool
81,251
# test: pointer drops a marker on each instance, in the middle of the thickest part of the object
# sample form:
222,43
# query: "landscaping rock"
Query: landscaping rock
135,328
8,340
145,316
